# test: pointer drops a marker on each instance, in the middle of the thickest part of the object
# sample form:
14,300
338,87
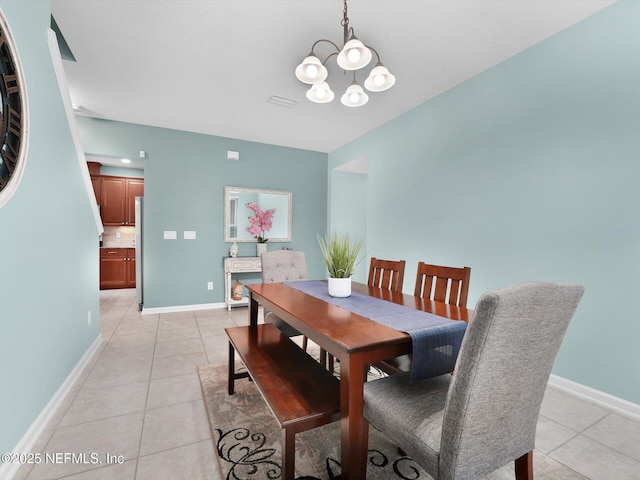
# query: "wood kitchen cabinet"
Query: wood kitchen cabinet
135,188
97,187
96,180
130,265
112,201
94,168
117,199
117,268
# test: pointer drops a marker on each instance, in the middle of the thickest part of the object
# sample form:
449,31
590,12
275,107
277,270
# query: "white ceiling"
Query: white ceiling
210,66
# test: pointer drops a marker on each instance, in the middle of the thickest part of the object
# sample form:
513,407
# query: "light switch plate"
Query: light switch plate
189,234
170,235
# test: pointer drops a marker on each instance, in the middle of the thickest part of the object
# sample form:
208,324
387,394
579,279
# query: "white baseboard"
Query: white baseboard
182,308
8,470
592,395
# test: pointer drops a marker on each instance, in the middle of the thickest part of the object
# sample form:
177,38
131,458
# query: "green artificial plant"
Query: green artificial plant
340,254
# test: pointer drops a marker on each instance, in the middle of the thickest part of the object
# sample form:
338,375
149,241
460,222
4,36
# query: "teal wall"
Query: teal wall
528,171
348,213
185,174
48,242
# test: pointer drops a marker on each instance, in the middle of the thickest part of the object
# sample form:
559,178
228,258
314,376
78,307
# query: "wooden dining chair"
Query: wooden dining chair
433,282
484,416
386,274
443,284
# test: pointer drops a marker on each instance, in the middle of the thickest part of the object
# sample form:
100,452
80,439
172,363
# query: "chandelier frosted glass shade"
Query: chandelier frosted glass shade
311,70
379,79
354,55
320,93
354,96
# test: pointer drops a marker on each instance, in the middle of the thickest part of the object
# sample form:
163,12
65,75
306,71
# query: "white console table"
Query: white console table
238,265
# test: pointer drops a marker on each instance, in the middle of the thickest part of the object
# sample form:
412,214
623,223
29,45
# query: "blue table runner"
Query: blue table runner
435,340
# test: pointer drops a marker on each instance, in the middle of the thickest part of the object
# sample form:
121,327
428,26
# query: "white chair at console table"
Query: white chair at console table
238,265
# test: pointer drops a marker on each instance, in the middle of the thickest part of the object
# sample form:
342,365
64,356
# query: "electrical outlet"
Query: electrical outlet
210,286
89,317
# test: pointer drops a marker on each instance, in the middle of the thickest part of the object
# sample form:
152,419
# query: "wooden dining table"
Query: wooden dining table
355,340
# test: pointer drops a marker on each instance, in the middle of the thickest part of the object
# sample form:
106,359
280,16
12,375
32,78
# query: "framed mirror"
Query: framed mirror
236,213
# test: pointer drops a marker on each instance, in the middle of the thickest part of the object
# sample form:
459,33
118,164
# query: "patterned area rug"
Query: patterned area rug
246,438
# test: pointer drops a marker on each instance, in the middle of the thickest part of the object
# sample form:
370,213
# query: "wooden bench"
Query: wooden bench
300,393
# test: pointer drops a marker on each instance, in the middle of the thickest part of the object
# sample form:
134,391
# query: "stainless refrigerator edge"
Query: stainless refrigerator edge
139,210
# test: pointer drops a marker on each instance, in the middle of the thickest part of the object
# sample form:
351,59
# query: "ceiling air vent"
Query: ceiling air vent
283,102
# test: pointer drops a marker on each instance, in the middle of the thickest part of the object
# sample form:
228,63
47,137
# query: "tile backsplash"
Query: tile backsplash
127,237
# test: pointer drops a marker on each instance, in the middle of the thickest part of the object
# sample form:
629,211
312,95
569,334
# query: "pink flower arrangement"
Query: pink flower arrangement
260,222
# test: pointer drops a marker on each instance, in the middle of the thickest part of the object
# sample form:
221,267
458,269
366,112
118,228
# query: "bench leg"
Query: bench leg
288,442
231,378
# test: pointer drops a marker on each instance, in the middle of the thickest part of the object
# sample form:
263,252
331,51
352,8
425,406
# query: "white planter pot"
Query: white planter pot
340,287
260,248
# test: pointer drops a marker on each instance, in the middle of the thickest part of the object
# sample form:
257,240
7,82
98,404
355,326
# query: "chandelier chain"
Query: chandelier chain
345,24
345,17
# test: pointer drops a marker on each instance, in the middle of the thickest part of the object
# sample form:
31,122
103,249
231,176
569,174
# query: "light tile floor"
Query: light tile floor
140,398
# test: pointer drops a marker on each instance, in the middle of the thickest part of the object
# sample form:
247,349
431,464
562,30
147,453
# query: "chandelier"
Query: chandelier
353,56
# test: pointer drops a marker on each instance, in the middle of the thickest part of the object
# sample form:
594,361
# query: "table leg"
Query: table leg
253,310
354,429
232,372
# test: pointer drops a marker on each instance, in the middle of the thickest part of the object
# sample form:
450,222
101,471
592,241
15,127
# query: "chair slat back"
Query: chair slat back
443,284
386,274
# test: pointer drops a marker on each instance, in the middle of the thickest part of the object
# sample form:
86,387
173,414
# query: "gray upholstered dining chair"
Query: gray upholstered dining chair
286,266
484,416
283,266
